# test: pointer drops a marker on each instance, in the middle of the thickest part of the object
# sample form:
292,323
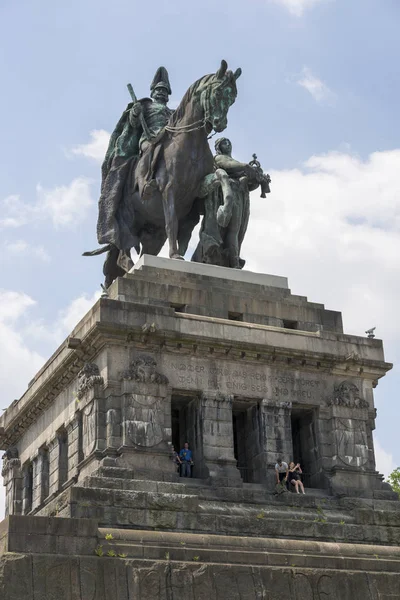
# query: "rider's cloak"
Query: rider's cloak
116,215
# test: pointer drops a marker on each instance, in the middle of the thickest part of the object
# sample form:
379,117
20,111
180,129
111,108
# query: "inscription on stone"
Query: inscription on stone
243,380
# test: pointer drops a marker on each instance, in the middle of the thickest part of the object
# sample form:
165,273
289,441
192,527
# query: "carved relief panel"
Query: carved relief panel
143,423
143,409
351,442
349,426
89,427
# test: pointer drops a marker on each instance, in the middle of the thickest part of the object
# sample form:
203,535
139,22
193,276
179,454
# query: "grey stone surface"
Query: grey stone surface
183,266
141,374
164,360
61,563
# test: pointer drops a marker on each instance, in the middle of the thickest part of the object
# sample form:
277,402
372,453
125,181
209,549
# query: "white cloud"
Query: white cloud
26,250
334,228
38,330
384,460
317,88
70,317
18,362
96,148
13,305
18,332
298,7
64,205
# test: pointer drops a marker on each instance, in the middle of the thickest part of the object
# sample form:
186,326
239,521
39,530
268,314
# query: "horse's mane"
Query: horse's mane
179,112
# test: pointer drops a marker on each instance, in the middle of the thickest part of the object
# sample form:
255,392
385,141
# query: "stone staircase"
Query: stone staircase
114,497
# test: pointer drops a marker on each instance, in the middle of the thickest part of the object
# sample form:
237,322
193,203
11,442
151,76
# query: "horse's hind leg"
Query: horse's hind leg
111,269
171,221
152,241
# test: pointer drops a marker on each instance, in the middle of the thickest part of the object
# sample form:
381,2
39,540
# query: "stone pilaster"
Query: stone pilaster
54,459
142,424
114,439
12,479
40,477
276,435
351,467
73,433
217,438
27,488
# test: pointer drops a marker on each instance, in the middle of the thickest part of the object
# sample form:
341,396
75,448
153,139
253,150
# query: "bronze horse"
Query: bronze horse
183,170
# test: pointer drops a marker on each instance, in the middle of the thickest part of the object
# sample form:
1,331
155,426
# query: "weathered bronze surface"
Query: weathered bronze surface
159,177
226,216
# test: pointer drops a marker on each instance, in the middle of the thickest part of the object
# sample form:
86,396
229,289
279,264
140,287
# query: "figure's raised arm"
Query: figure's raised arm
233,167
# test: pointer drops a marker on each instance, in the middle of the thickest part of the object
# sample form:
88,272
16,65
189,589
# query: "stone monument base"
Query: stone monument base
72,559
244,371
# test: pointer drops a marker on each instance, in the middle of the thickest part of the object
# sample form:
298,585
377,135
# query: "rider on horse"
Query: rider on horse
128,142
151,185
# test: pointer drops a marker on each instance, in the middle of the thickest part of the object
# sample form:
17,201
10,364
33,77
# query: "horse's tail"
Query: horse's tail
98,251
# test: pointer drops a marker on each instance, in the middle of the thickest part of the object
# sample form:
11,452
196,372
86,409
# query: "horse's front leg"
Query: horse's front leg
171,221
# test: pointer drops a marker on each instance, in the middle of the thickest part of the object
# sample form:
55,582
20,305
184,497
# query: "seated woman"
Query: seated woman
294,477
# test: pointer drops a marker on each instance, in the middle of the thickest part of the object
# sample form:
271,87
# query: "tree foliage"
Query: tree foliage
394,480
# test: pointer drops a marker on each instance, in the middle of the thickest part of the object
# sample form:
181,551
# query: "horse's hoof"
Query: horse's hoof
177,257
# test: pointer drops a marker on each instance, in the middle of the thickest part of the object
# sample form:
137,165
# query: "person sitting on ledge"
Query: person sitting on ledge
185,456
281,470
294,477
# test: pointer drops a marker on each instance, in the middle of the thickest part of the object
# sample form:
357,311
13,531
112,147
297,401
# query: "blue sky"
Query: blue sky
317,101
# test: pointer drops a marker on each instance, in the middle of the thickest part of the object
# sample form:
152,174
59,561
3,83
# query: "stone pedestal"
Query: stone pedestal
244,371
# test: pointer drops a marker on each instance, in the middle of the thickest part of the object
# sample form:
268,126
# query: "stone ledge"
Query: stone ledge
184,266
154,565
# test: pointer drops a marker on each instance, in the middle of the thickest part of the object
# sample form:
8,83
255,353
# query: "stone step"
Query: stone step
145,485
143,494
181,547
289,516
249,492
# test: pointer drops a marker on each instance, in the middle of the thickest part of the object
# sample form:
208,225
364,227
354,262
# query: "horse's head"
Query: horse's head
218,95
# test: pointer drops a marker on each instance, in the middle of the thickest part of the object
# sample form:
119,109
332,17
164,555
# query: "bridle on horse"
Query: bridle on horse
196,125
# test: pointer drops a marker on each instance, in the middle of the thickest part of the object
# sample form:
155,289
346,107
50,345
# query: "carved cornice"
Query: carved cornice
27,409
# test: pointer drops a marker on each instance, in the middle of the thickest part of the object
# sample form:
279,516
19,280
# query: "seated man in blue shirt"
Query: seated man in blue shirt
186,457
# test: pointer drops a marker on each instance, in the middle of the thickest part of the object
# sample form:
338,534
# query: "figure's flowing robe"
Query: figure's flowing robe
116,220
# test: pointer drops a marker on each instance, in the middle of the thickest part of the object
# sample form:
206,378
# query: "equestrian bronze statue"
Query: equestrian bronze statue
157,168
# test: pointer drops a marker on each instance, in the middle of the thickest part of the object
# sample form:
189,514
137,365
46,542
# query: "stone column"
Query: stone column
217,439
276,435
12,479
